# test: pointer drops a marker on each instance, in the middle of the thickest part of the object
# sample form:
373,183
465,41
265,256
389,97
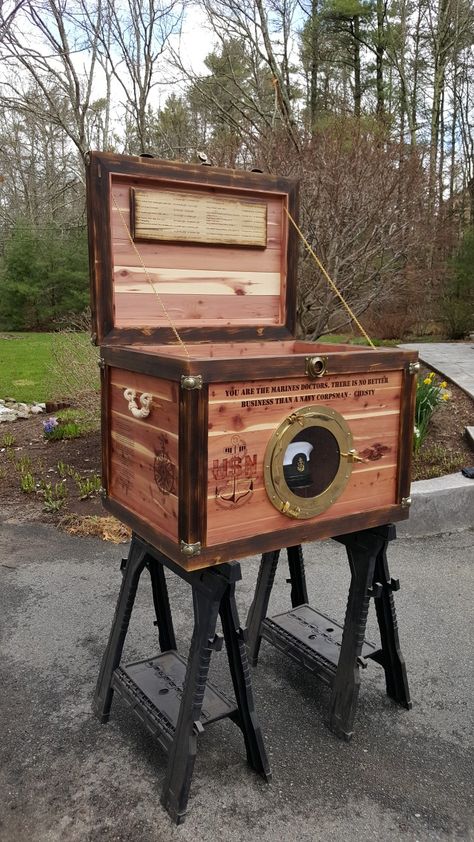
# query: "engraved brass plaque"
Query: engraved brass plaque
308,462
176,216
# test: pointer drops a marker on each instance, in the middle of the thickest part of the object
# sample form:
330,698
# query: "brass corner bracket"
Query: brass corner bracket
190,550
191,381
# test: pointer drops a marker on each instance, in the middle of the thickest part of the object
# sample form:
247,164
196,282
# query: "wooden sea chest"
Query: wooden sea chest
222,434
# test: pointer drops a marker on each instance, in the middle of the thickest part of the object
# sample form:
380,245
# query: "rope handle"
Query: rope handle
130,395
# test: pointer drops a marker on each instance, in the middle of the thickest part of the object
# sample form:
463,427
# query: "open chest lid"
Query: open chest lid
207,251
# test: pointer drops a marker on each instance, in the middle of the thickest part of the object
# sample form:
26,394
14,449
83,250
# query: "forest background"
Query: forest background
369,103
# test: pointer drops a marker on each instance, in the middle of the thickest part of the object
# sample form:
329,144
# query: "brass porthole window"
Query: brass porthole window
308,461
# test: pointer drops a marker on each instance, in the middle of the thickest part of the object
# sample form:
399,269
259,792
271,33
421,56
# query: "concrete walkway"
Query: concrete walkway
454,360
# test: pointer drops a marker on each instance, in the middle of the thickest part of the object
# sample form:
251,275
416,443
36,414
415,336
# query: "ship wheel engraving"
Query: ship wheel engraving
164,470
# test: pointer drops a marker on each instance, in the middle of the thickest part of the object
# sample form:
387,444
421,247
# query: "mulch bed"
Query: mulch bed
445,451
81,455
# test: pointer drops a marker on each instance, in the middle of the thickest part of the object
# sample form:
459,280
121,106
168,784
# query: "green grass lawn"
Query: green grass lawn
40,366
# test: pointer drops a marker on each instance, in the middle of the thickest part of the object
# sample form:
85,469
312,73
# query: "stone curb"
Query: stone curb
470,437
444,504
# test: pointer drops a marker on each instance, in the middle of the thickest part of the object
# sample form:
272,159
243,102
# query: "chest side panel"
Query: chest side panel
143,452
213,284
242,419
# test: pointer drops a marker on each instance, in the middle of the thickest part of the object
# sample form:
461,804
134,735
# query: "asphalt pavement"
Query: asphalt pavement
406,775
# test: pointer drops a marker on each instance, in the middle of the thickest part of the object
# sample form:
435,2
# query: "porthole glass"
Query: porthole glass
311,461
308,462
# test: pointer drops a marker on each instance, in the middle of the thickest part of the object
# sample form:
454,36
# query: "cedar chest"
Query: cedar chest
222,434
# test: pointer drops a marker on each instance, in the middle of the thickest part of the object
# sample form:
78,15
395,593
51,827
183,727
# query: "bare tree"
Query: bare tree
56,62
133,45
7,15
266,30
364,229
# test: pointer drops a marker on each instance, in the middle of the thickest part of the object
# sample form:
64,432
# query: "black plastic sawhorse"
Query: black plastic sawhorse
171,697
333,652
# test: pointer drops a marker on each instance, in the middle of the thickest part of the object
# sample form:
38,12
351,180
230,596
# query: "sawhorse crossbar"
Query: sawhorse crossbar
333,652
171,697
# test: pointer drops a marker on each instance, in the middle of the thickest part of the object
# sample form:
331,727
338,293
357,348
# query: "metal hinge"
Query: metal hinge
405,502
101,362
353,456
413,368
191,381
287,509
190,550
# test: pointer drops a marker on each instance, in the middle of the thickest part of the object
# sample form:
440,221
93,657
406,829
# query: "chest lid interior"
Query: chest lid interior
208,251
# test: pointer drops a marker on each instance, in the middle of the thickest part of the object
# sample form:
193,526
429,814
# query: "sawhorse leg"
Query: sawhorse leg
131,576
299,593
219,597
161,602
362,551
367,555
266,576
246,718
390,655
258,609
213,593
182,755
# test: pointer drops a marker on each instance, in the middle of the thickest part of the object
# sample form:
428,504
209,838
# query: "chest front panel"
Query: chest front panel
242,419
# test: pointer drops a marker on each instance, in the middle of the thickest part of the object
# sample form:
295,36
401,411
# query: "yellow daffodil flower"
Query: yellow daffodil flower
427,380
443,385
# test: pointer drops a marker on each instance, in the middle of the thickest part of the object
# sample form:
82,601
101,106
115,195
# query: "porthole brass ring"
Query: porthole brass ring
279,493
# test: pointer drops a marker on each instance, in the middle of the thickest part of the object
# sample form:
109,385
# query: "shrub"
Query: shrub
458,301
74,368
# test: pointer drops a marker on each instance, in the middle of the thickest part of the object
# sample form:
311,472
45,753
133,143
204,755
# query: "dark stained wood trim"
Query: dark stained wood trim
174,171
293,365
308,347
193,436
292,260
145,530
407,424
211,556
100,250
195,335
248,367
105,424
155,365
132,212
307,532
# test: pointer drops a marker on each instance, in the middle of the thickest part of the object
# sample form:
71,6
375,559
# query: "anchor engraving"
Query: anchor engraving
237,470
